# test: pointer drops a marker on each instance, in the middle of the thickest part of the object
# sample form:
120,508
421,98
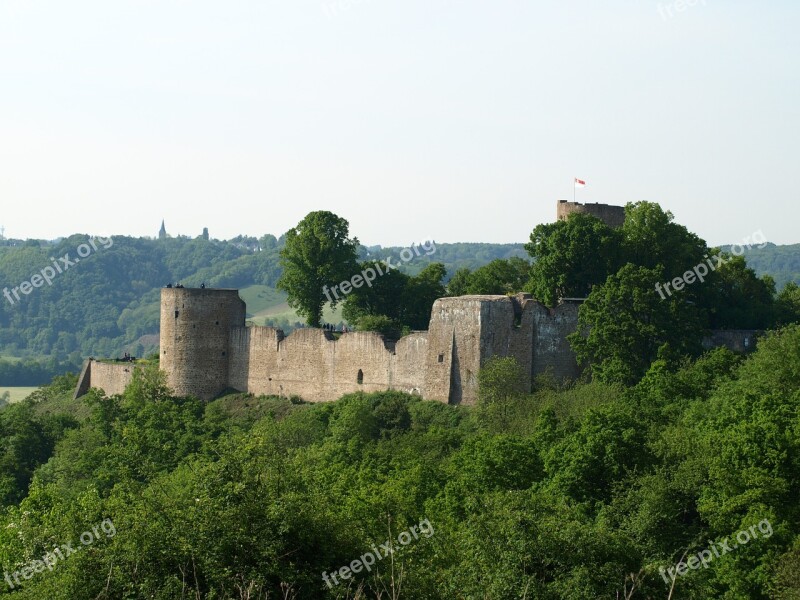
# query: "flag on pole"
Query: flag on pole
580,182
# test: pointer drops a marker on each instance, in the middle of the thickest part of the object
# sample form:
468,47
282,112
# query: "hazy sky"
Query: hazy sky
457,120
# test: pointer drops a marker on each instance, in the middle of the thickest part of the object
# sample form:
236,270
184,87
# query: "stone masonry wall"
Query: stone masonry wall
196,326
613,216
112,378
552,353
454,354
312,364
467,331
205,349
735,340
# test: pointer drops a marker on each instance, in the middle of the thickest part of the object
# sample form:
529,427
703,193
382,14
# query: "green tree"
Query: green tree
420,294
501,378
624,324
500,277
459,283
268,242
382,297
787,306
502,385
651,238
390,328
738,299
318,255
572,256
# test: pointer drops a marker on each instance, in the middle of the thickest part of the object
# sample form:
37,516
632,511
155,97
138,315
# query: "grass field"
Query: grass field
260,298
284,311
18,393
268,303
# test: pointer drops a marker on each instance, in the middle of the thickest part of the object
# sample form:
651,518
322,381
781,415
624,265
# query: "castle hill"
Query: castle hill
608,410
399,300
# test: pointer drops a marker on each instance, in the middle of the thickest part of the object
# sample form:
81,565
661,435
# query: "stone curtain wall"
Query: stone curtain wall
735,340
312,364
112,378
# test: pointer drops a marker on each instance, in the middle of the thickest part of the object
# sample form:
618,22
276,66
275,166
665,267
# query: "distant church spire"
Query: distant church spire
162,234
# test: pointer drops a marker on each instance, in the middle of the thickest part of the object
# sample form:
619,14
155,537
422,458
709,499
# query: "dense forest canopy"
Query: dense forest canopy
591,491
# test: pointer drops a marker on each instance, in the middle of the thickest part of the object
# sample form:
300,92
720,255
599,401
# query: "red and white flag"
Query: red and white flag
580,182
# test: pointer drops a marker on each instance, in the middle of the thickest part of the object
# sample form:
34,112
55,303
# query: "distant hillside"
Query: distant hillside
780,262
90,298
106,302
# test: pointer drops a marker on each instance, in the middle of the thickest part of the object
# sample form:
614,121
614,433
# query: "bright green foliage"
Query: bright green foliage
383,297
581,493
318,254
501,378
395,301
502,384
651,238
788,304
387,326
572,256
624,324
459,282
630,314
499,277
27,440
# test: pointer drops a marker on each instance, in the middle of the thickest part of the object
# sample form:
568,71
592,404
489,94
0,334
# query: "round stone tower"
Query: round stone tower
613,216
195,331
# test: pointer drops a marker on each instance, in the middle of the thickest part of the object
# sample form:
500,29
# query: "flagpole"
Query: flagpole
573,190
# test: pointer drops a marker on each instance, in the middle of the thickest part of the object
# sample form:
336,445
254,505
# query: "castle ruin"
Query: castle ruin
206,349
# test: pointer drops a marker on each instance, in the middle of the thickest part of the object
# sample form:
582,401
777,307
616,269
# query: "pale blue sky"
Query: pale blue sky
457,120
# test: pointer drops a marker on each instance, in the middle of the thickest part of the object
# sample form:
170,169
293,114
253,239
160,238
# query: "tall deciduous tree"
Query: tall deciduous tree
458,284
500,277
736,298
623,325
318,255
571,256
420,294
651,238
382,297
